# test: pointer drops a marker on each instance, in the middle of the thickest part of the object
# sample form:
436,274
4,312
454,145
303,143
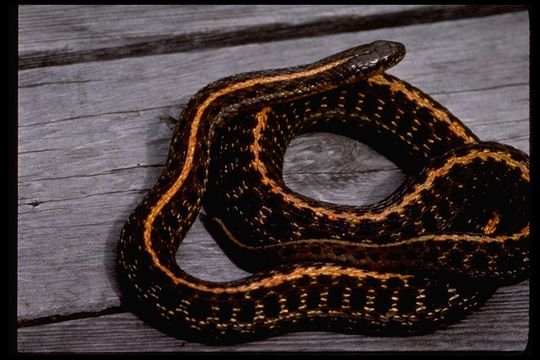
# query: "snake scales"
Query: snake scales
416,261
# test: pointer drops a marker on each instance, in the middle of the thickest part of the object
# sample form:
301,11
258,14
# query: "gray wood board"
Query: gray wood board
93,138
57,35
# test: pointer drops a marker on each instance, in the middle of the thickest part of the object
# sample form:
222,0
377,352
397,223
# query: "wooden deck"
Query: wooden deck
97,89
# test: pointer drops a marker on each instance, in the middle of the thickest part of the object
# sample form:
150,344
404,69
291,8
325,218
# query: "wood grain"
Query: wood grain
46,28
59,35
93,139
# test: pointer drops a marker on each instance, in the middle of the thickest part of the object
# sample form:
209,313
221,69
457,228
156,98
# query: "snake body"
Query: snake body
416,261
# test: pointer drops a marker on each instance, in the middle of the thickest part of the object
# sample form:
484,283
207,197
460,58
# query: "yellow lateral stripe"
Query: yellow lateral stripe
163,200
262,118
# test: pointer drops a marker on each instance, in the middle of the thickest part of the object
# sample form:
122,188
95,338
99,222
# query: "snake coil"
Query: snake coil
416,261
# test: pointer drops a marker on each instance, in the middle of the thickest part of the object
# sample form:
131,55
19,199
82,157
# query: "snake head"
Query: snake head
376,57
364,61
389,53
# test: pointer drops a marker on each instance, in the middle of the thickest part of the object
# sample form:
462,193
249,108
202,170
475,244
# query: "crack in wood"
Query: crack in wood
100,114
35,203
73,316
466,91
506,121
83,197
517,137
342,173
81,176
58,83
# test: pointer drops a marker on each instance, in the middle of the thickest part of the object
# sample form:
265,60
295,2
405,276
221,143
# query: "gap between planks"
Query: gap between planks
262,33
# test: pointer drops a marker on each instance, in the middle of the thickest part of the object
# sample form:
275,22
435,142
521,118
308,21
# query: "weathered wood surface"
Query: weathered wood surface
53,35
93,137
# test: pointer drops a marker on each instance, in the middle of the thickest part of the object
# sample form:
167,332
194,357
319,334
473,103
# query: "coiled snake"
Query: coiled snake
416,261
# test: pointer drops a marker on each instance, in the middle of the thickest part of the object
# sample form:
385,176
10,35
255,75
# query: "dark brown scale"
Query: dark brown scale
335,297
325,280
436,297
247,311
422,134
407,301
392,256
383,301
338,251
225,311
358,298
313,298
479,261
404,123
293,301
199,308
271,306
252,209
442,129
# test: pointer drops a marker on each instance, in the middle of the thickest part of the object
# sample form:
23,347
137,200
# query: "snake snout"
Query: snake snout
390,52
376,57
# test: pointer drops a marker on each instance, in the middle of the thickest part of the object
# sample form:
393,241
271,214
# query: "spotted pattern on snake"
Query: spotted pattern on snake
414,262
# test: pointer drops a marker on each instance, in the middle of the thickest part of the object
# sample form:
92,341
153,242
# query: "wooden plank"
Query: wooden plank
93,138
57,35
125,333
44,134
83,27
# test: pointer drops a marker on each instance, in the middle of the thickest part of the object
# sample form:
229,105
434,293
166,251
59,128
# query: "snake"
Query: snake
419,260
